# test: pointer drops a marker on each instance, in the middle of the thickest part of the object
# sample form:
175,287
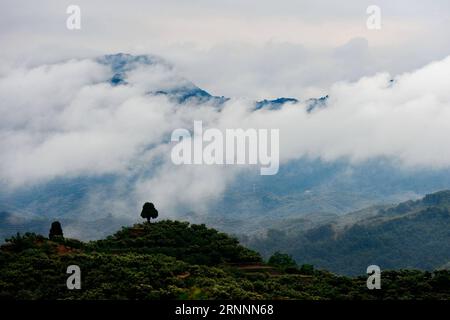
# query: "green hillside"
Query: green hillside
176,260
413,234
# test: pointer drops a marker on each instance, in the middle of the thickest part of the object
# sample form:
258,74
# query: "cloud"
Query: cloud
254,49
66,121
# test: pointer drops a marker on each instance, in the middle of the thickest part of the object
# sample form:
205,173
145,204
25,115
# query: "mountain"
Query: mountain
177,260
181,90
412,234
276,104
306,188
316,190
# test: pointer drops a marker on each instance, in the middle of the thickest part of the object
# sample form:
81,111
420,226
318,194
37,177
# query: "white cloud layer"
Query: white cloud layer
66,120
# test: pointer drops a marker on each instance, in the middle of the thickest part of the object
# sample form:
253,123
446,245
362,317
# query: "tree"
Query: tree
149,211
55,230
282,260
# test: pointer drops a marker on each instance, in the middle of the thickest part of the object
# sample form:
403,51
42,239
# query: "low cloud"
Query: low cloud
66,121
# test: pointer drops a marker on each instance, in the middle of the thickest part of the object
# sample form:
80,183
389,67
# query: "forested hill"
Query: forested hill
412,234
176,260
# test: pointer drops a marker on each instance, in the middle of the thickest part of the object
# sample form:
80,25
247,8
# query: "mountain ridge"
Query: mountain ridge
412,234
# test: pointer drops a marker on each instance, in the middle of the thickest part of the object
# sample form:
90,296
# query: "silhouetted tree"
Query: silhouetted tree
55,230
149,211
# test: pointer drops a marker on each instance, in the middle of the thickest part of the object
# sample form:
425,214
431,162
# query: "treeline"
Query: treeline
414,234
176,260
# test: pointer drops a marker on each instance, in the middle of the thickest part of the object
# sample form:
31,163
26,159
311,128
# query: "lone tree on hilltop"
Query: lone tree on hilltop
55,230
149,211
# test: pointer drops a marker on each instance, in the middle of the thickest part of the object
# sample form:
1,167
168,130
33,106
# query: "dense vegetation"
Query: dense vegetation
176,260
194,244
413,234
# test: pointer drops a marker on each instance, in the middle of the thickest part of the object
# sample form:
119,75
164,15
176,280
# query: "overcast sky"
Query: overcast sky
61,118
255,49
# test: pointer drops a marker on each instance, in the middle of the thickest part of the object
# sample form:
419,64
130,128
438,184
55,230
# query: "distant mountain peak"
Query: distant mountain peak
276,104
181,91
121,63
